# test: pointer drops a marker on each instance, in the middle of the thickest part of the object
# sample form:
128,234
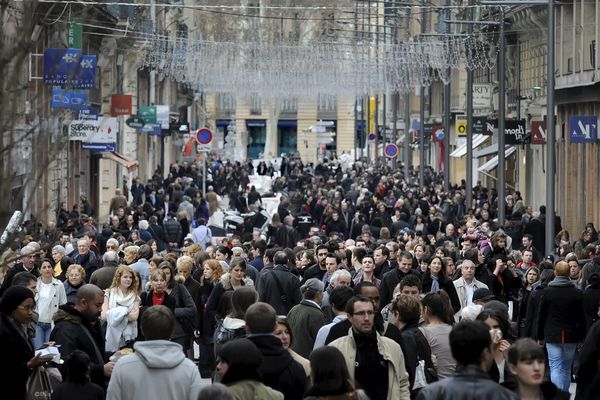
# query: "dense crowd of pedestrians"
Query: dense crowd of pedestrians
362,285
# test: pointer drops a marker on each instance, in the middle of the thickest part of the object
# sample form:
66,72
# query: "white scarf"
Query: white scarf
117,298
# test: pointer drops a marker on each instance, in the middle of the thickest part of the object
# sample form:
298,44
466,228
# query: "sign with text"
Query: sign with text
479,125
120,104
538,132
88,114
148,114
482,96
74,34
583,129
103,130
162,116
514,131
69,67
71,99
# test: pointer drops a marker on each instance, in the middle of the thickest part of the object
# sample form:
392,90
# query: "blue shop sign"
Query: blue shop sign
74,100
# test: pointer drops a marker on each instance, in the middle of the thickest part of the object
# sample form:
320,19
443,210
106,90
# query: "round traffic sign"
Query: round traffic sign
462,128
391,150
371,136
204,136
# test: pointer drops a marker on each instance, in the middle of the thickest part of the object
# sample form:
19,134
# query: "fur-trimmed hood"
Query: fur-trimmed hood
226,281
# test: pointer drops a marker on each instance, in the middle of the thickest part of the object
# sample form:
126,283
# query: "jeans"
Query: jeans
560,359
42,333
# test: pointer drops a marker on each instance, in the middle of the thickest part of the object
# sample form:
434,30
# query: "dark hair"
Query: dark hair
338,259
158,323
224,250
260,245
442,275
472,254
498,317
260,318
439,306
407,255
169,265
282,319
339,297
412,281
280,258
358,288
384,250
270,253
525,349
243,358
145,252
468,340
241,299
77,367
356,299
23,279
329,372
359,253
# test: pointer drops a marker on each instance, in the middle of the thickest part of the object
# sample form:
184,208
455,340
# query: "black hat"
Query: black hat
14,296
483,294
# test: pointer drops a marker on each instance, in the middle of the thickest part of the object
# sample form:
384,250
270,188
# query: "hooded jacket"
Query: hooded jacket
158,369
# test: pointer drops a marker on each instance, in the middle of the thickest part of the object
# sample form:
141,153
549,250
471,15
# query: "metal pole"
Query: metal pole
204,175
365,128
501,123
469,182
355,129
422,114
384,137
550,126
395,102
407,150
447,114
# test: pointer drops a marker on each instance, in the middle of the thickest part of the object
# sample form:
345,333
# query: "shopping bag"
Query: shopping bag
42,382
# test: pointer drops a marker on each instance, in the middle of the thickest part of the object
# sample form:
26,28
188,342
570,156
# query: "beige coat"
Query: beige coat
390,351
461,291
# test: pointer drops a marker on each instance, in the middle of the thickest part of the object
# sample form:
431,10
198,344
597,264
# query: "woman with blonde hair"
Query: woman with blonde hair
121,309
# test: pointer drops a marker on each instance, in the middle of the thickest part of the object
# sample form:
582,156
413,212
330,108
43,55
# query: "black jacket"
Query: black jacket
268,289
561,318
389,282
588,374
533,310
279,370
447,286
17,352
69,332
11,274
314,271
591,301
415,347
548,389
467,384
86,391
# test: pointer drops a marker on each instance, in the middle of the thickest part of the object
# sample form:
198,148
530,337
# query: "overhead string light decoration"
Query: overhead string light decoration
278,69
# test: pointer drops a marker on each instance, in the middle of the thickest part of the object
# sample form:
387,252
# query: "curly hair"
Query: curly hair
135,281
217,271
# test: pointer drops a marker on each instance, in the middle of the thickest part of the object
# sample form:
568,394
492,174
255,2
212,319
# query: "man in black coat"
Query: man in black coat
318,270
392,278
26,264
279,370
279,288
77,327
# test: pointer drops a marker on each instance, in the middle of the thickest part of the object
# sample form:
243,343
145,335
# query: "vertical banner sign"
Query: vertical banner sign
162,116
120,104
583,129
478,125
538,132
74,34
372,109
460,125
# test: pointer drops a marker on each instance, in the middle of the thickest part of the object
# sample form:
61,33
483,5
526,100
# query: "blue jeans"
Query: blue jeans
560,359
42,333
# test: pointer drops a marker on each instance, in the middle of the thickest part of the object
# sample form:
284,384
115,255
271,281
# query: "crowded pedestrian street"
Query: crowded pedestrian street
268,200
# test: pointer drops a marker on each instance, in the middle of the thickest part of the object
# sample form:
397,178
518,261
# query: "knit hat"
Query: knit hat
483,294
13,296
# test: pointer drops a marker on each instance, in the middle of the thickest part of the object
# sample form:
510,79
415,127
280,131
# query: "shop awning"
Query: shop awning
121,159
223,122
461,150
493,162
287,123
256,123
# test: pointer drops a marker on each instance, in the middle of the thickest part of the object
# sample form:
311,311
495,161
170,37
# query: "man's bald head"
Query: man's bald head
89,301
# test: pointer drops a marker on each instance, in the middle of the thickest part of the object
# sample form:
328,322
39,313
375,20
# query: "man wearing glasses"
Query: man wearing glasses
375,363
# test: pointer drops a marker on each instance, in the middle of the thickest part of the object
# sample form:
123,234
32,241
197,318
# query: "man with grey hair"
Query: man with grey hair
467,284
306,318
341,277
86,258
26,263
103,277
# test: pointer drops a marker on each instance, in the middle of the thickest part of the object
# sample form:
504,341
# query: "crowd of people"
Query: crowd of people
363,285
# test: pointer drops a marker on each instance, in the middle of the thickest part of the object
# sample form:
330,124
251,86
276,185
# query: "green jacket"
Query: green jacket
251,390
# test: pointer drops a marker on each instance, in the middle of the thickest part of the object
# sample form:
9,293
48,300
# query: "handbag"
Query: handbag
42,382
420,379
